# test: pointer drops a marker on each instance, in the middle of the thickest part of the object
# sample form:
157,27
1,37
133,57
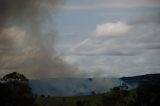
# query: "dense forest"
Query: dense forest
15,91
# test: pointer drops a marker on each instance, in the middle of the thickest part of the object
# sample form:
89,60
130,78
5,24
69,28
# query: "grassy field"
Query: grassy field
92,100
147,96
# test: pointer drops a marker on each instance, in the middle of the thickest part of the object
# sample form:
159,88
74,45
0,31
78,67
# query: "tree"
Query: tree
14,77
15,91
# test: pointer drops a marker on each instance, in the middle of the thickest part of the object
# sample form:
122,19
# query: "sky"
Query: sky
110,37
79,38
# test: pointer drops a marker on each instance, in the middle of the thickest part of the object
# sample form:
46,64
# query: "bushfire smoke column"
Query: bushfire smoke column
27,34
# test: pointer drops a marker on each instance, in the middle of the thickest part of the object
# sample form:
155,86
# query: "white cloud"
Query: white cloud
112,29
136,41
135,53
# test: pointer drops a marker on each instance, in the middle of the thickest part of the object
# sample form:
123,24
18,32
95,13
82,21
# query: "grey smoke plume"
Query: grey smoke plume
27,34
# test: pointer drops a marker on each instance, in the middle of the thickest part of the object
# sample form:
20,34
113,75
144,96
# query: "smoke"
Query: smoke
27,36
73,86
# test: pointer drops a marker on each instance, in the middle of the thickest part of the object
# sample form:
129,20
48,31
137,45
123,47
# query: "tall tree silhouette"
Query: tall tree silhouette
15,91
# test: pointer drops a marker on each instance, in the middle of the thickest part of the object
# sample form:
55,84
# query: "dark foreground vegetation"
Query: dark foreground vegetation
15,91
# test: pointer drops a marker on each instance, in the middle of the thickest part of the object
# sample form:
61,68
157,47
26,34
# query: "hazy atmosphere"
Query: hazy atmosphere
79,38
111,37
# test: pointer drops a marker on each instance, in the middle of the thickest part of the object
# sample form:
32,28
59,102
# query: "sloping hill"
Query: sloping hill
143,80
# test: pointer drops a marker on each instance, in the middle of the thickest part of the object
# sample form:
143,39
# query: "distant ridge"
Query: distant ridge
143,80
85,86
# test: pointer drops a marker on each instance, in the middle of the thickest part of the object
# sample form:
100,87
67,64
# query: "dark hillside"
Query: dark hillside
143,80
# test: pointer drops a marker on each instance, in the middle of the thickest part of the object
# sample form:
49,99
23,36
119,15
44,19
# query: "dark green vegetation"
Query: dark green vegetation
145,96
15,91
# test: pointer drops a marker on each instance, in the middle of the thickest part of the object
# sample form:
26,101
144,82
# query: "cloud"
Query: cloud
107,4
150,18
139,35
111,29
136,41
128,44
136,52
